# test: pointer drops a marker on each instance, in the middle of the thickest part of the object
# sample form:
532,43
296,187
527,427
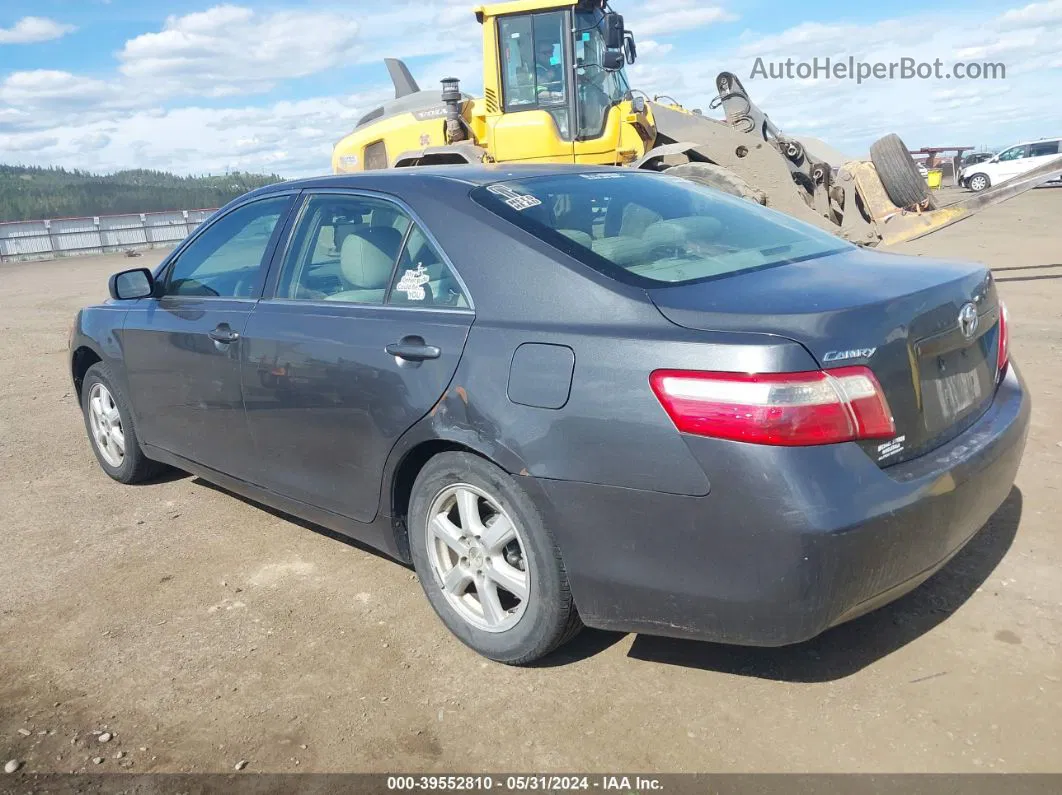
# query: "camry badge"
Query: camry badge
858,353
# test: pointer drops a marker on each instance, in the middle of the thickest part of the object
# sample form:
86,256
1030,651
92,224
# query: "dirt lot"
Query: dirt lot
200,629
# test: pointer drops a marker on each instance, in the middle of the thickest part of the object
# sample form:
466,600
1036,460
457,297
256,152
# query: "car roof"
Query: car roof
1037,141
417,177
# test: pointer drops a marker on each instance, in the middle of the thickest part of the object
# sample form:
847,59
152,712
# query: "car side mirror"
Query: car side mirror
613,31
135,283
612,60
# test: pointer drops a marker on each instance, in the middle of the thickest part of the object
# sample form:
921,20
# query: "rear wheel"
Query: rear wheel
978,183
487,562
899,173
109,423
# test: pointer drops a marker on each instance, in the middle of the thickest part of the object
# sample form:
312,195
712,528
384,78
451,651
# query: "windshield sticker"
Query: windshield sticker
890,449
602,176
515,200
412,283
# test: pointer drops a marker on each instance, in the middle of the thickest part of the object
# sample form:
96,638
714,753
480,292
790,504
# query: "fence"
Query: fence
101,234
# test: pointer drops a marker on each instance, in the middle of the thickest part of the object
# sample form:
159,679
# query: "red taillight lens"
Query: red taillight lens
1003,355
777,408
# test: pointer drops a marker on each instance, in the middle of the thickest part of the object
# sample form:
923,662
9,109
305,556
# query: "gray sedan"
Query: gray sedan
571,396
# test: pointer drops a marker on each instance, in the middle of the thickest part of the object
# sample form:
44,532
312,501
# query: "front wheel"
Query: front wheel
109,423
978,183
487,562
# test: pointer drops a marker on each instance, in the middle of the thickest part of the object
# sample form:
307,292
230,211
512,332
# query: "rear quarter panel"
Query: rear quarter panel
611,430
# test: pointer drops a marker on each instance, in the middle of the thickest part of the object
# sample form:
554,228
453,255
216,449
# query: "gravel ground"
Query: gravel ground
198,630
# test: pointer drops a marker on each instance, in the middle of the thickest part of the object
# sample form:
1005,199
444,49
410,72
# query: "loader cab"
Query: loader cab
556,90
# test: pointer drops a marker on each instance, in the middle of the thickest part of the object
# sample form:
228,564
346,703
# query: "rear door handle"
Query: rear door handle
223,334
413,349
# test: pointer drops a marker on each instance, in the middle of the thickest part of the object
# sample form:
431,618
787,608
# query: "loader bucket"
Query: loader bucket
905,226
750,157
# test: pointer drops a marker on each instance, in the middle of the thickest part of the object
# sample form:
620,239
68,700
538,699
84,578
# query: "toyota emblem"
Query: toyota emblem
968,320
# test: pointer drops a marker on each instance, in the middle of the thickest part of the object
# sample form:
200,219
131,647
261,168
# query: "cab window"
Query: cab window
226,259
597,89
534,65
1014,153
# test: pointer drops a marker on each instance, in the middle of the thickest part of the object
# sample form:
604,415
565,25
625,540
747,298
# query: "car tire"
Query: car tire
493,538
978,183
111,430
899,173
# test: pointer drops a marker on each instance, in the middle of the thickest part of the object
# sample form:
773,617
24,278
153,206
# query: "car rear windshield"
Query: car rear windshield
653,229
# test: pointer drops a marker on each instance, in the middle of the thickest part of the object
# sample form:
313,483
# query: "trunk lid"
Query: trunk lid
899,316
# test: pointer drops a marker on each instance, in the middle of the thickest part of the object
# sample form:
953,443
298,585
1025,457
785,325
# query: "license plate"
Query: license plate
957,392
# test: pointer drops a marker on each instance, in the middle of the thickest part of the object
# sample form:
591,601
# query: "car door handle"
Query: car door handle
413,349
223,334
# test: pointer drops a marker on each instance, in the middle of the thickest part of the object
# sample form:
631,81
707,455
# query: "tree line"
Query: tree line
31,192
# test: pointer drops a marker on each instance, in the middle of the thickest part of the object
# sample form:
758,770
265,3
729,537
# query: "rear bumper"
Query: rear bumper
790,541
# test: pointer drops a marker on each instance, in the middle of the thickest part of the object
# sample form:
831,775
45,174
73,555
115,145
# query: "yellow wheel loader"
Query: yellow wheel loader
555,89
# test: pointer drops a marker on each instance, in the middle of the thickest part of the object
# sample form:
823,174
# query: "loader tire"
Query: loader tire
899,174
720,178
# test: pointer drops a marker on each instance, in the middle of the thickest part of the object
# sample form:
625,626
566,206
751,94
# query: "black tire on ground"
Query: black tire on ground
720,178
135,467
978,182
898,173
550,618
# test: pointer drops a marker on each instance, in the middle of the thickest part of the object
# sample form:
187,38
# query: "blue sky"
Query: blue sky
199,87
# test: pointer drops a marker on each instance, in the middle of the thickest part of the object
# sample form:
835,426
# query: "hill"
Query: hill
28,192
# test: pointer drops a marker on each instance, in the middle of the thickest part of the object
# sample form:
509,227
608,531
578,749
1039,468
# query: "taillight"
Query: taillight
820,407
1003,352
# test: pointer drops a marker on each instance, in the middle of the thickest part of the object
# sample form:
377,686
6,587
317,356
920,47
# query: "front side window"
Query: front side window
651,229
597,89
534,66
1014,153
226,259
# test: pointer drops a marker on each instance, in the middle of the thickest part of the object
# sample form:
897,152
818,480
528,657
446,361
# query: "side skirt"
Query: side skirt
377,534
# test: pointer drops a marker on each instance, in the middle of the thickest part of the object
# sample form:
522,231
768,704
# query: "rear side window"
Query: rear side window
363,250
651,229
344,248
423,278
1044,148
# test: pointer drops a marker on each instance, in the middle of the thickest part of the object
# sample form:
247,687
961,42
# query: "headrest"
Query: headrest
368,256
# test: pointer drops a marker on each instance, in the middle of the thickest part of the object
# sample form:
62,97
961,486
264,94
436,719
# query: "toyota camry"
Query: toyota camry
571,396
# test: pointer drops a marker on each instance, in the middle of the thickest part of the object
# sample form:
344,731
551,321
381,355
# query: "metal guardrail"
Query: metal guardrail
101,234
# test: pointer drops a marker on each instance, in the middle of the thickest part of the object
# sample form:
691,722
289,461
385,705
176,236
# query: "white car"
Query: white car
1010,163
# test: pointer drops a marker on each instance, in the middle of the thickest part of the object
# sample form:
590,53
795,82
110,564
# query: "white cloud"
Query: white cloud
651,49
294,138
226,48
672,17
1033,15
30,30
27,143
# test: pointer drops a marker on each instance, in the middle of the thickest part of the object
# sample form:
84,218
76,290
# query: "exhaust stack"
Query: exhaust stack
451,97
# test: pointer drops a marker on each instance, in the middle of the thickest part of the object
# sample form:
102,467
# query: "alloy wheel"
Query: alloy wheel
478,557
106,423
